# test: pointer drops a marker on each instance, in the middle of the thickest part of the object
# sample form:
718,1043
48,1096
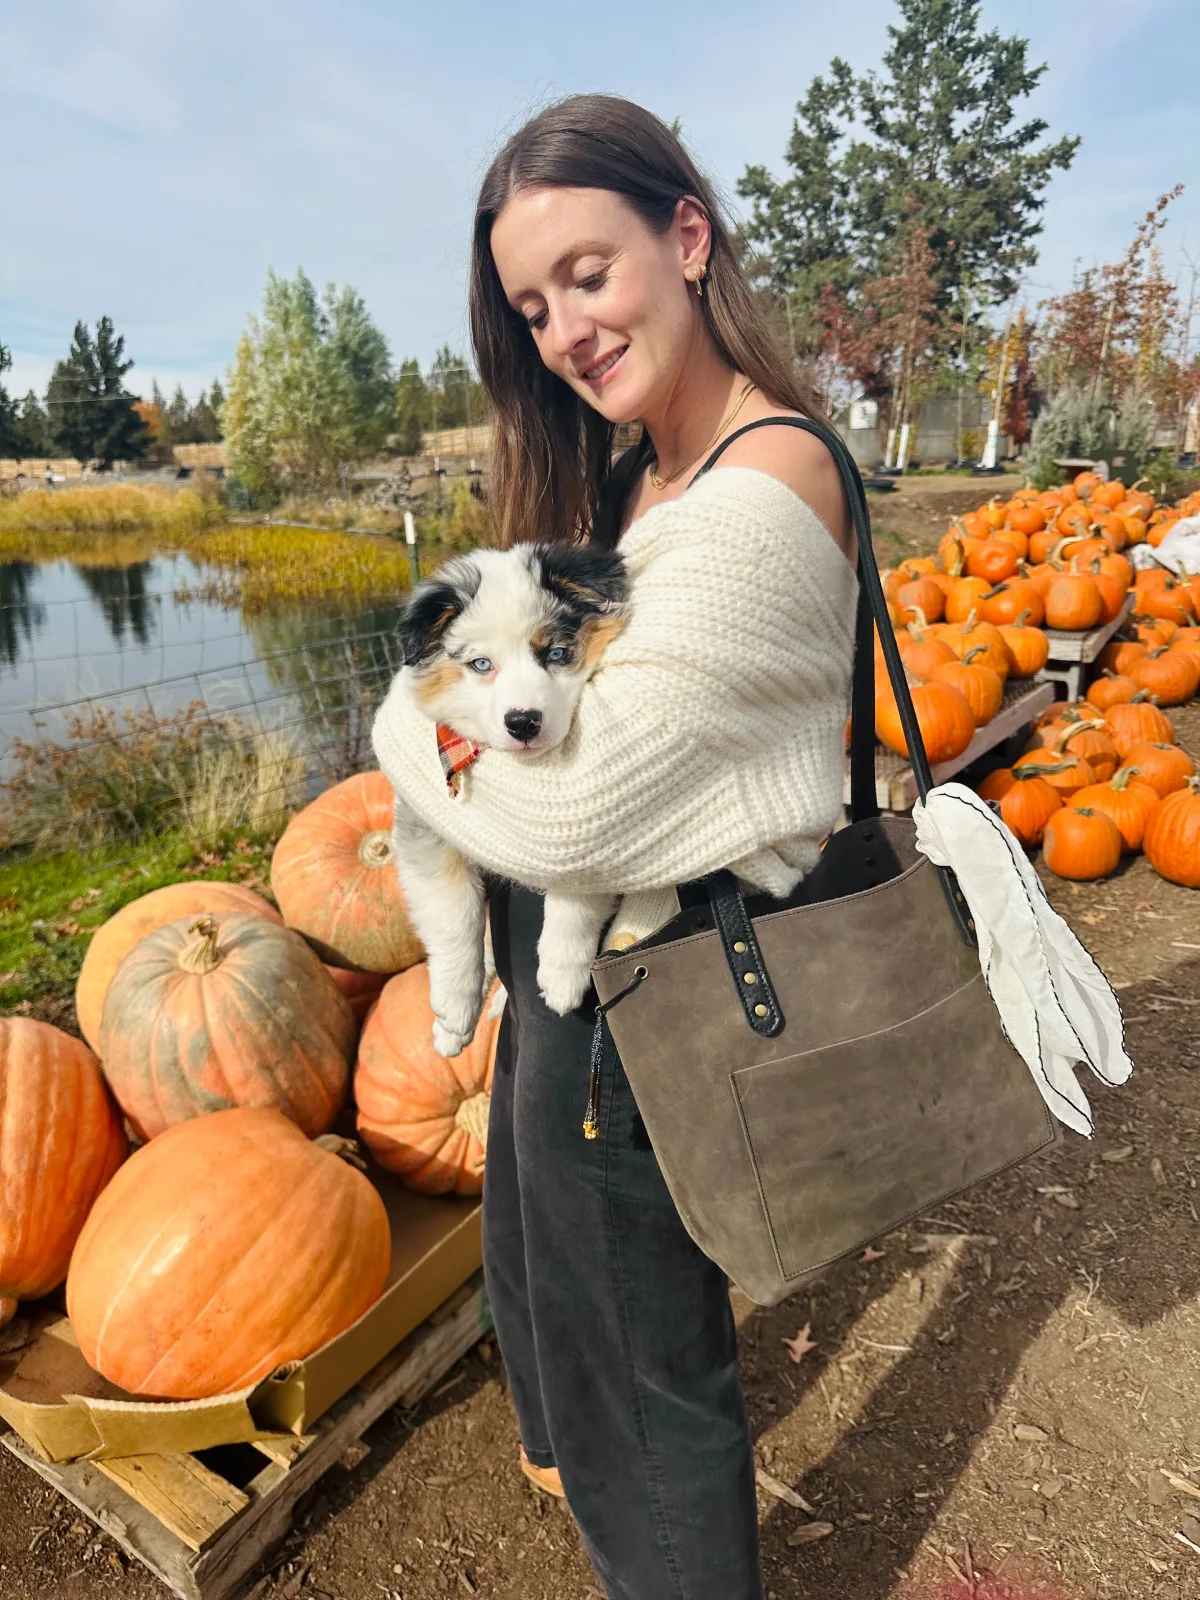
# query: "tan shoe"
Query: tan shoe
544,1478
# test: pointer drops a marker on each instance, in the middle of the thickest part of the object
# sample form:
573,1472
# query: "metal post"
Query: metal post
410,536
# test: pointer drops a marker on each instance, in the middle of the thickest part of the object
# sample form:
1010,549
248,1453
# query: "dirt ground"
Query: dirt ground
990,1407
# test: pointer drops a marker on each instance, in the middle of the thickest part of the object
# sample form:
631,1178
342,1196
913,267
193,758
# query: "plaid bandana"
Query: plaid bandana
456,754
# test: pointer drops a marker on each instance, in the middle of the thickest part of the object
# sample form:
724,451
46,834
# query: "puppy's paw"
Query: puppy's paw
562,986
450,1042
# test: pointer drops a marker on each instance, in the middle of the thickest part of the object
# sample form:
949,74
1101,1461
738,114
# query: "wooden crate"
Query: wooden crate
895,785
201,1529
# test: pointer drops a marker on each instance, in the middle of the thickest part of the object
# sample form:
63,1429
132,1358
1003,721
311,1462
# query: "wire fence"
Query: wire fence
127,712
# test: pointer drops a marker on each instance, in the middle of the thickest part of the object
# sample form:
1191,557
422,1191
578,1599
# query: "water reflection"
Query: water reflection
338,670
20,614
120,593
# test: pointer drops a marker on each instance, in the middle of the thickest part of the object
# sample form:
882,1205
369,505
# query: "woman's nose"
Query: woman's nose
568,330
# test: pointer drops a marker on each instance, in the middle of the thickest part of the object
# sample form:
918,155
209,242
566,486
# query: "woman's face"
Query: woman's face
606,300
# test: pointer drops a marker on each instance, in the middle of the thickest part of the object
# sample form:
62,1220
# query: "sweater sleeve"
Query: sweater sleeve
738,640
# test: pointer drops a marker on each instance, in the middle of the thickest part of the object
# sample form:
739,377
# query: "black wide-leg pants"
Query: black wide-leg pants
615,1329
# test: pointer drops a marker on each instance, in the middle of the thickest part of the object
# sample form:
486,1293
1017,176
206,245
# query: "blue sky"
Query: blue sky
157,158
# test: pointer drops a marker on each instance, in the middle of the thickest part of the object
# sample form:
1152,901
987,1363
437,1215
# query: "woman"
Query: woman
605,288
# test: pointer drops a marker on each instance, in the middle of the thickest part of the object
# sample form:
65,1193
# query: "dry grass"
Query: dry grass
114,779
59,517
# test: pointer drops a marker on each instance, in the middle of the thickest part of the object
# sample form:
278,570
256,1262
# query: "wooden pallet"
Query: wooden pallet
202,1523
895,785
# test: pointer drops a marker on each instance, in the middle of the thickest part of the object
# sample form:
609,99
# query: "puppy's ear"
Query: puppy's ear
591,580
431,609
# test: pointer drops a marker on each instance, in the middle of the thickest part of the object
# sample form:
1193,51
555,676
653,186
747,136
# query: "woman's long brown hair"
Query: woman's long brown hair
552,475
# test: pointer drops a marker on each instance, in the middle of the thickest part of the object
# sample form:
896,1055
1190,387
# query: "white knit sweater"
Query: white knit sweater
711,736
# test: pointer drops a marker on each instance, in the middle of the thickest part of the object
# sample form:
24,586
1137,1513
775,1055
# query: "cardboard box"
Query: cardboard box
55,1401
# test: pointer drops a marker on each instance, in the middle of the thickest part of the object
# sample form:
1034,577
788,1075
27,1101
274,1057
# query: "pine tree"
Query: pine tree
178,417
11,436
91,414
933,138
34,425
413,409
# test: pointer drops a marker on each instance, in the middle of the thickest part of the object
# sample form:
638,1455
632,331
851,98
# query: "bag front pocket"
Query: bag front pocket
854,1139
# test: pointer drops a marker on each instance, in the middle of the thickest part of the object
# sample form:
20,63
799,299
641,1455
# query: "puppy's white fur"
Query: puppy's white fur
506,612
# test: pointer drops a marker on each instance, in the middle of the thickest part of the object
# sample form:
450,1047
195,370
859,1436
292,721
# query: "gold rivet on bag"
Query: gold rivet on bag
739,947
760,1011
749,977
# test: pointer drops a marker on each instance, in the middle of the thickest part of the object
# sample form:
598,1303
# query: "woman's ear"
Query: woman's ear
587,579
693,231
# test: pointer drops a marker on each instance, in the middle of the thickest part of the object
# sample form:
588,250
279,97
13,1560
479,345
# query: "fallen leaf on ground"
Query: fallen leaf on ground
810,1533
782,1491
1028,1434
1121,1153
799,1347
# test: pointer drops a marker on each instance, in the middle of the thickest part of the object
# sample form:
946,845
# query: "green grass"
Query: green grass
51,905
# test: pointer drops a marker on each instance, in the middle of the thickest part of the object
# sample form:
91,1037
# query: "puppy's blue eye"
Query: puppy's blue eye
480,664
556,655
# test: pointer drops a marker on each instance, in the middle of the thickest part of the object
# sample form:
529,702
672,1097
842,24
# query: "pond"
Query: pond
159,635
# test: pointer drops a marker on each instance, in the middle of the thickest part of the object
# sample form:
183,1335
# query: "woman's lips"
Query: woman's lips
600,379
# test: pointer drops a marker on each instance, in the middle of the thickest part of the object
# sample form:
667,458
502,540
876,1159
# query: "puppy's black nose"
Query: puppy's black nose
523,725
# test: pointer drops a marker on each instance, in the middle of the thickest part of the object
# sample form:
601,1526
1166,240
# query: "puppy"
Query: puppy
497,648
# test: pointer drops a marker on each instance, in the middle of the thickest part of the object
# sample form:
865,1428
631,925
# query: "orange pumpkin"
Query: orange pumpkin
1169,675
972,633
943,715
920,598
1028,803
1073,603
964,597
112,942
974,679
1018,597
334,875
922,652
360,990
1172,838
1165,767
1090,739
1112,592
1121,654
1152,631
1028,647
994,559
61,1140
424,1117
212,1012
165,1291
1168,602
1110,689
1138,722
1062,771
1026,519
1126,799
1081,844
996,785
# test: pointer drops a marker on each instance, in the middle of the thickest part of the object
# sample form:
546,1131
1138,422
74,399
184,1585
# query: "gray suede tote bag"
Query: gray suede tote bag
816,1072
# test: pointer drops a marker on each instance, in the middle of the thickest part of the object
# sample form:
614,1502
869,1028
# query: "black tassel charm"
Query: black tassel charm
591,1120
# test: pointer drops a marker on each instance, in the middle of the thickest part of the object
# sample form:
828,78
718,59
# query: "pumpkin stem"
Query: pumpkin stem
375,848
919,624
1033,769
1001,588
976,650
1120,779
1078,727
345,1149
8,1310
201,955
472,1116
1020,622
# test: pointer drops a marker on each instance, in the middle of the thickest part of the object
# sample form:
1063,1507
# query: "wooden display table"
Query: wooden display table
1070,653
896,787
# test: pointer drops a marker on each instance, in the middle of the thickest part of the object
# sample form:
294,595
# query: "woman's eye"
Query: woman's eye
480,664
534,323
595,281
556,655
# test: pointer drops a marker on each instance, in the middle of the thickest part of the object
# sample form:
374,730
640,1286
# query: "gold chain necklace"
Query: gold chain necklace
661,483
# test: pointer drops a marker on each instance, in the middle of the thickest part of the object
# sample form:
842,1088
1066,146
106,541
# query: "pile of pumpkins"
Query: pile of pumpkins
225,1040
974,615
